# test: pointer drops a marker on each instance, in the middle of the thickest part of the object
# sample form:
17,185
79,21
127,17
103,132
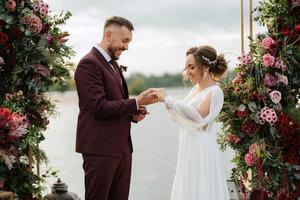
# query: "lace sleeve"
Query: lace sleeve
188,116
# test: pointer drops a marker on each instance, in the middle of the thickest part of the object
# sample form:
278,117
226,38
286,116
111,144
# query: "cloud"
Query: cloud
164,29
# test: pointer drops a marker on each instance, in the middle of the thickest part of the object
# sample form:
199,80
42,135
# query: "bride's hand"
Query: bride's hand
161,93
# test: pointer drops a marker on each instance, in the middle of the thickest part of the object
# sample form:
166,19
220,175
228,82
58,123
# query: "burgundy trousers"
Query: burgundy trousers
107,177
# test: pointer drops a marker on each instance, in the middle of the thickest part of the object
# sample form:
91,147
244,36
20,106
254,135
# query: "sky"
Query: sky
164,29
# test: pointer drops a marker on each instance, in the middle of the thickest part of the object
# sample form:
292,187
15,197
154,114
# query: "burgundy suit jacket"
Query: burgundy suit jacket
105,112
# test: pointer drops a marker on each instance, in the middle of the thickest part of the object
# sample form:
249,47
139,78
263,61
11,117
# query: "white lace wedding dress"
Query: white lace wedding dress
199,173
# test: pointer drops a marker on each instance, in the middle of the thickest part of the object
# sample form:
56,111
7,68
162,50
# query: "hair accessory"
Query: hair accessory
209,61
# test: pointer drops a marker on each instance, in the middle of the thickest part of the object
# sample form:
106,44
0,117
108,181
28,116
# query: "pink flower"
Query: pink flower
42,70
267,42
43,11
250,159
10,5
5,113
270,80
280,65
245,58
34,23
268,115
268,60
43,8
282,78
36,7
275,96
2,61
238,79
3,38
1,184
253,149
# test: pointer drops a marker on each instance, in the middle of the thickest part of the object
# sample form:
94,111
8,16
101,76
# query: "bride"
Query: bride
199,174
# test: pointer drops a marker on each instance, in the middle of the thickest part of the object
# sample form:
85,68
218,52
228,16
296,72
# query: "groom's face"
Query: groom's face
119,41
192,69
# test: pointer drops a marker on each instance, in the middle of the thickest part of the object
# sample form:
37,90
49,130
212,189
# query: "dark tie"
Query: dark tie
115,67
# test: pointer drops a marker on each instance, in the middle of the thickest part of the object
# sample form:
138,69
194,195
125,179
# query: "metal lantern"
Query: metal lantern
60,192
235,192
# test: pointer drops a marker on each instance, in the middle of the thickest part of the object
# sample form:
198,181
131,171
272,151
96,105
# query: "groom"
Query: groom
105,116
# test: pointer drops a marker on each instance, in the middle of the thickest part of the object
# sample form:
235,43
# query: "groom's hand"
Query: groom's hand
140,114
147,97
142,111
137,118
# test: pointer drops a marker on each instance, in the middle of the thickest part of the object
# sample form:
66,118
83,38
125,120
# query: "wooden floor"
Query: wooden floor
6,195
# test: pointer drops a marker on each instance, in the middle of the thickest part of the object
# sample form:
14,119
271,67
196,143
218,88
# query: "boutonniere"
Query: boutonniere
123,68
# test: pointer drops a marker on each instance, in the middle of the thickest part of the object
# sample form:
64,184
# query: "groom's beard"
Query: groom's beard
112,52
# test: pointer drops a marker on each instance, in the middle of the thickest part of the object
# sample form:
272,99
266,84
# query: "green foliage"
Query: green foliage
139,82
261,105
33,57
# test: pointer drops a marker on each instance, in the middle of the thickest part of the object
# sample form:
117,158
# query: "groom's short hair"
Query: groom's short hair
119,21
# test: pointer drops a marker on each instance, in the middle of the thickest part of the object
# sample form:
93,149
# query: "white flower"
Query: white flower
275,96
8,159
2,61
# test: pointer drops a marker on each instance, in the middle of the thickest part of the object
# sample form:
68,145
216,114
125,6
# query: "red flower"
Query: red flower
241,114
5,113
10,5
285,125
255,95
249,128
45,28
17,33
234,139
3,38
2,23
285,31
297,27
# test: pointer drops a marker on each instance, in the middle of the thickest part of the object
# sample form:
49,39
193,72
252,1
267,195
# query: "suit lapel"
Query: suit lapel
125,88
111,71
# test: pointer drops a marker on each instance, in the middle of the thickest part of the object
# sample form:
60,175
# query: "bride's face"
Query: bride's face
193,69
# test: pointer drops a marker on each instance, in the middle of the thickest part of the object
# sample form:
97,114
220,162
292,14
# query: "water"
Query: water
155,150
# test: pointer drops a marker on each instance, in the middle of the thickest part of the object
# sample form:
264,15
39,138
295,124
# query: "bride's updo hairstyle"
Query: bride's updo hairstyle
207,56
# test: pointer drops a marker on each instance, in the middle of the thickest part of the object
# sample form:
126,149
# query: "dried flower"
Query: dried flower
10,5
33,23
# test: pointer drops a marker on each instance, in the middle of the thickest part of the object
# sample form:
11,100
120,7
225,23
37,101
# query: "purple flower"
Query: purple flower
49,39
270,80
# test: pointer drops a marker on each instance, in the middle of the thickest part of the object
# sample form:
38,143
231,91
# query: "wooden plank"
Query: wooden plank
6,195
